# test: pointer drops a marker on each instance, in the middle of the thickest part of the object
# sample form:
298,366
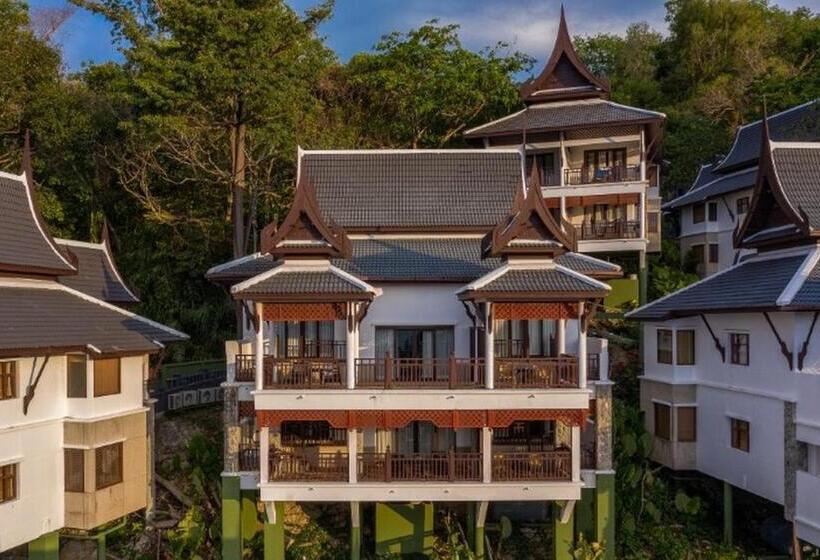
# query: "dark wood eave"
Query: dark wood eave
563,47
480,296
105,239
767,178
305,203
40,351
305,297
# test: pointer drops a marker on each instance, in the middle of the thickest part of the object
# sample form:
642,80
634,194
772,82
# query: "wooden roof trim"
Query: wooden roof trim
305,203
563,46
767,177
105,241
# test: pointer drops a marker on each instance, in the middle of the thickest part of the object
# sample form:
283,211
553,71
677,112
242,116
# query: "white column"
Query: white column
642,211
576,453
487,453
561,336
582,348
352,453
489,347
350,345
643,154
259,348
562,179
264,453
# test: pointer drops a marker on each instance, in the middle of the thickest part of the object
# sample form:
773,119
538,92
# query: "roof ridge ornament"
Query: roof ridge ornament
548,86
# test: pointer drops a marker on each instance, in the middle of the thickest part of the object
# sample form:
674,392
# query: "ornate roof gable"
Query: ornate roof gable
776,216
565,76
305,232
530,229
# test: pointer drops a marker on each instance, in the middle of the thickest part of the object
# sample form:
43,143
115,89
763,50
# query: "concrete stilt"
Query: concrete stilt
46,547
562,535
275,531
231,519
101,547
605,513
728,517
249,515
355,531
478,537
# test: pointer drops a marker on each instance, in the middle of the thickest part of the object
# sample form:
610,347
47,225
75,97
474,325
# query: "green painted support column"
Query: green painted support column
274,531
728,517
605,513
404,529
643,279
231,519
479,543
355,531
470,522
585,514
563,534
46,547
101,547
249,515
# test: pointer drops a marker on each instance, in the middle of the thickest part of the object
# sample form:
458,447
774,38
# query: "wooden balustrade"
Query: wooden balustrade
536,373
419,373
615,229
616,174
535,465
331,467
245,367
304,373
406,467
249,458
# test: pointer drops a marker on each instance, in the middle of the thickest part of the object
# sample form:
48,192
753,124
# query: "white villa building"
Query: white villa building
731,383
75,427
718,201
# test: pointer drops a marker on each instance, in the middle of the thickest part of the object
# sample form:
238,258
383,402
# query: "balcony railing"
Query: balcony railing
616,229
536,373
419,373
304,373
535,465
594,366
403,467
331,467
586,175
249,458
245,369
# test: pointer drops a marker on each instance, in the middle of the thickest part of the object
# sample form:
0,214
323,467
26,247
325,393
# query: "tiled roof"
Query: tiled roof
552,280
560,116
49,315
97,275
283,281
798,124
719,185
754,283
430,259
410,189
798,171
23,244
809,293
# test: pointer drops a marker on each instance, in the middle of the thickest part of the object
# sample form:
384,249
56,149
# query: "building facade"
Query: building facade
732,363
417,333
717,202
75,424
596,160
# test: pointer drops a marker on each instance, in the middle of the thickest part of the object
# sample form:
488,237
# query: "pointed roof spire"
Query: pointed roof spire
565,76
25,164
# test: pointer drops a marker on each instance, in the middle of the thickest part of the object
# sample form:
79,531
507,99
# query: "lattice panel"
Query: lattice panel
535,310
303,311
246,408
504,418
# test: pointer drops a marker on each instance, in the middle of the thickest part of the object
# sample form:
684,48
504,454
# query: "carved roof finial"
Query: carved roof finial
25,164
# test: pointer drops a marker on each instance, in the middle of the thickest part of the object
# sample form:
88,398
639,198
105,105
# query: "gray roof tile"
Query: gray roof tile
22,243
302,282
564,115
51,316
371,190
809,293
798,170
719,185
96,274
553,280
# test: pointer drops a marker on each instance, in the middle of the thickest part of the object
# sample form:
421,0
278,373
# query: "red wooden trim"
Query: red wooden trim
535,310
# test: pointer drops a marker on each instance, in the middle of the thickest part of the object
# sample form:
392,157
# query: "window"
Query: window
698,213
698,252
713,211
664,346
8,483
713,252
106,377
109,465
740,434
739,344
687,423
686,348
74,460
652,222
77,375
8,380
743,205
662,421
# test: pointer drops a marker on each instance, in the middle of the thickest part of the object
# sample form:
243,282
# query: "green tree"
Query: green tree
423,88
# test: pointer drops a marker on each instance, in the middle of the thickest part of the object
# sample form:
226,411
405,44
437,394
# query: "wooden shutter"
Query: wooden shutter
106,377
74,470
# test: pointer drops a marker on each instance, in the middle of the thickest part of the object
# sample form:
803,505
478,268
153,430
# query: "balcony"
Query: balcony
616,229
452,466
592,176
536,373
420,373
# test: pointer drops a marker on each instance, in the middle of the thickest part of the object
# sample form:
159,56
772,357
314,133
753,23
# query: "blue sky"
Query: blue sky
357,25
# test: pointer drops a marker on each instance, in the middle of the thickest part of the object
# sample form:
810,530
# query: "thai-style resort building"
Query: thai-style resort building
417,330
732,362
595,160
719,199
75,423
